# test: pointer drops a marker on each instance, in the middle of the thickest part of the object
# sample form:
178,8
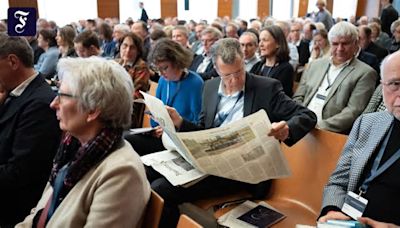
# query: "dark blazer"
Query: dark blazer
304,52
377,50
370,59
209,73
260,93
389,14
283,72
29,137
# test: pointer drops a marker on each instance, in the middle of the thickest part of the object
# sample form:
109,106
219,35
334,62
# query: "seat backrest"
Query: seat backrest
186,222
153,211
311,161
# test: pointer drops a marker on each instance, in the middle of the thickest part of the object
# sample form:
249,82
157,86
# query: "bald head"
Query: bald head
390,71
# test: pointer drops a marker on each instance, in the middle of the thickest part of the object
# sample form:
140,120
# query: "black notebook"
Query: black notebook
261,216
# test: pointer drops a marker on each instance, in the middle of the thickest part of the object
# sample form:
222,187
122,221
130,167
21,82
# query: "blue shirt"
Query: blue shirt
184,95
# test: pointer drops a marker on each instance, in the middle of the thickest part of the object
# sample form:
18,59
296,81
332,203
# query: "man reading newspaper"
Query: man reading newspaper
228,98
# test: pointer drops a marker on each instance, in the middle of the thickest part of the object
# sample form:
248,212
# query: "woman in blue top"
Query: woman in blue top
177,87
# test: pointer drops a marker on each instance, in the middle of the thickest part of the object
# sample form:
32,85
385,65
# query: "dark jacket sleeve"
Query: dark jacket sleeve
300,119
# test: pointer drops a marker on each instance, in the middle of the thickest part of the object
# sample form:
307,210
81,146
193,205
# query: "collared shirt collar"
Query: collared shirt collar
340,65
254,58
21,87
221,91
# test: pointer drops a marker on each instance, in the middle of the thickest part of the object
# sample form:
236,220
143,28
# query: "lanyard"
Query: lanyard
221,117
169,101
375,171
327,76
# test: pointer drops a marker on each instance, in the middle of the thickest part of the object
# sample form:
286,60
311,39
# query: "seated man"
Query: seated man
87,44
202,63
29,132
337,89
249,43
227,98
369,165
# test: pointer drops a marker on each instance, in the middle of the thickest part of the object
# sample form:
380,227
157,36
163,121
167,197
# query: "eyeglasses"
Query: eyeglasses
393,86
231,75
159,69
60,94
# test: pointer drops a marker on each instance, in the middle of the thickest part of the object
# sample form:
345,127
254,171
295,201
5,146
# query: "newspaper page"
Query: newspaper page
173,167
241,150
160,114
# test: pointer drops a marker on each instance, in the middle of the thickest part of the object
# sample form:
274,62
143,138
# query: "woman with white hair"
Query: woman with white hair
97,179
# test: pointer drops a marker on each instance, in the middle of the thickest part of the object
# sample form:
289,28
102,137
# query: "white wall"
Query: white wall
312,6
64,12
3,9
130,8
198,10
247,9
281,9
344,8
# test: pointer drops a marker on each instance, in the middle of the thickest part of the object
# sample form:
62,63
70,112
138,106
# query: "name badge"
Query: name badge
320,96
354,205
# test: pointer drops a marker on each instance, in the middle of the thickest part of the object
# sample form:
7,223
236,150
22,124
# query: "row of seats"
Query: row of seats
153,214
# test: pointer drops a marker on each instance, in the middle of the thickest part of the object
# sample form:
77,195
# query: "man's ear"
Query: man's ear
14,61
93,115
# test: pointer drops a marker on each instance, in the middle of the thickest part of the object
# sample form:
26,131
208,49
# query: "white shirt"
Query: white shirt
203,66
230,106
21,87
318,101
249,63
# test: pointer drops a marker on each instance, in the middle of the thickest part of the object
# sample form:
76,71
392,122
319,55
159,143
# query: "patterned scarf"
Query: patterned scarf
82,158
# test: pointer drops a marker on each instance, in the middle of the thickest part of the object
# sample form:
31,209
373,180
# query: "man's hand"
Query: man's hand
280,131
376,224
334,215
176,118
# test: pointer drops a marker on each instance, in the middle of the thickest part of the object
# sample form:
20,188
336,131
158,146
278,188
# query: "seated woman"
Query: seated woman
97,179
321,47
65,41
131,51
47,62
274,62
177,87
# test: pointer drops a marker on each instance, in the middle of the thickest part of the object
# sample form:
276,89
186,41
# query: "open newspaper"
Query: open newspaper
241,150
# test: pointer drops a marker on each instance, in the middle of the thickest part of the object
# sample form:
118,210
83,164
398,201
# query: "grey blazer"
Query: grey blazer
347,98
368,131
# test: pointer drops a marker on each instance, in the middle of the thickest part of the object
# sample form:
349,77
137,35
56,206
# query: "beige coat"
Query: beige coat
348,97
113,194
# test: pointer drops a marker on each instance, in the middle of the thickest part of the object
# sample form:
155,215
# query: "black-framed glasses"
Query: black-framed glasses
393,86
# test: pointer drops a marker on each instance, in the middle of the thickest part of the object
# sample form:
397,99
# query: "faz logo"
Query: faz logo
21,21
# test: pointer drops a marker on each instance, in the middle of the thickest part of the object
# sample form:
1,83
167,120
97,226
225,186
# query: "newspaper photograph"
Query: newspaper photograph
173,166
241,150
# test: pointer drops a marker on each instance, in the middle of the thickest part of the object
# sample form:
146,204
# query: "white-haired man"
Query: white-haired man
338,88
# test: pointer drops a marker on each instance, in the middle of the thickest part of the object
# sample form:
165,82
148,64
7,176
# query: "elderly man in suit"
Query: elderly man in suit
228,98
29,132
369,165
337,89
